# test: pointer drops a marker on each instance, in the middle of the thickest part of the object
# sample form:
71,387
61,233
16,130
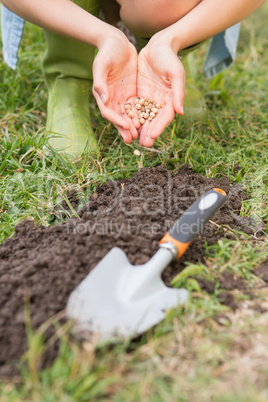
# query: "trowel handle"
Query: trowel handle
192,222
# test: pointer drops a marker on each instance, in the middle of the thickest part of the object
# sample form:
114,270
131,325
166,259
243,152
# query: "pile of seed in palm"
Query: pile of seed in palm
147,109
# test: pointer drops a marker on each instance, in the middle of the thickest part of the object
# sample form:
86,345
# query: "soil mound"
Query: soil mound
42,265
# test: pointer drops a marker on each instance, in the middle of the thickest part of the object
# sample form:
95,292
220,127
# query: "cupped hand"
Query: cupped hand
161,77
115,82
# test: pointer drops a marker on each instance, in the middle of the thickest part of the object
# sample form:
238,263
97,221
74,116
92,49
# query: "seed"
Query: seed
137,152
146,108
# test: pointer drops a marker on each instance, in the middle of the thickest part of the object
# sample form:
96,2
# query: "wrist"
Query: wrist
170,37
107,32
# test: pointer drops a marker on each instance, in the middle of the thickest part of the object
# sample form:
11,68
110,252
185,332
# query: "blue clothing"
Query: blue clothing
221,52
11,31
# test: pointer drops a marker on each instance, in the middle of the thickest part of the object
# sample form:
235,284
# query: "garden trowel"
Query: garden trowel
118,300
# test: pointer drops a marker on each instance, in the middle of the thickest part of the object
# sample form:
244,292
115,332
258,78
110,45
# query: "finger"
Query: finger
135,124
128,113
136,121
161,121
125,134
134,133
145,139
151,130
147,142
110,114
133,129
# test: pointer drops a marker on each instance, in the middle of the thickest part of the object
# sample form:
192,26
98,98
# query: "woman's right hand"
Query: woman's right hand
115,82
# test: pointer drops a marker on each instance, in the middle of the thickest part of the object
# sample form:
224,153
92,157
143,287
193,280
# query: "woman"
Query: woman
74,30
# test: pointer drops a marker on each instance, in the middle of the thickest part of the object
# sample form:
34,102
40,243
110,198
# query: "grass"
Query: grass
188,356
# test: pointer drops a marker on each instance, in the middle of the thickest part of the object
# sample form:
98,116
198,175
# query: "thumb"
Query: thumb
100,74
100,89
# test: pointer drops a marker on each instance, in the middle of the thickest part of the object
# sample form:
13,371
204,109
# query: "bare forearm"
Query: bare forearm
207,19
63,17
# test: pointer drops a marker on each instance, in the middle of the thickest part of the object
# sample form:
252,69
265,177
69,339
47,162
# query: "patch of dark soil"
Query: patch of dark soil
207,285
262,272
71,202
226,281
260,309
44,264
228,299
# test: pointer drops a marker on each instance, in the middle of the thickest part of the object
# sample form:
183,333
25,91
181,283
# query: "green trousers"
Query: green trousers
67,67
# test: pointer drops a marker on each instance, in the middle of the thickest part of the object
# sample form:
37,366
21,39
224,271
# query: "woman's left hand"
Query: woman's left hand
161,77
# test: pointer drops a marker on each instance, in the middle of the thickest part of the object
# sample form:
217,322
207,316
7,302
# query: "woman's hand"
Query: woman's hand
115,82
161,77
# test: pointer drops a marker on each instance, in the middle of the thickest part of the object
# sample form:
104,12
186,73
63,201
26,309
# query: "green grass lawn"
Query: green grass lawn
182,359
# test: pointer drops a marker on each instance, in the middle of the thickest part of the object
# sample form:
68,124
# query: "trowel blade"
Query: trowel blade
100,304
